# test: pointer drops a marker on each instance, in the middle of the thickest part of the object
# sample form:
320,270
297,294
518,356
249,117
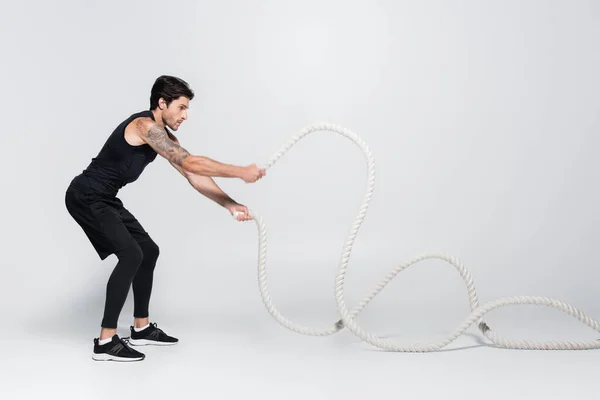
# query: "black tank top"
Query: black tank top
117,164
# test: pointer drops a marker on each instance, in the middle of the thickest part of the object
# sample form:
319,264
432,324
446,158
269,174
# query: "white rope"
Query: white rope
347,316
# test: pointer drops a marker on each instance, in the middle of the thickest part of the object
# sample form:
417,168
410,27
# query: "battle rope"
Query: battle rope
347,317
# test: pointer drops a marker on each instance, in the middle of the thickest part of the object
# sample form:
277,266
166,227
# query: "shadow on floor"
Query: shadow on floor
478,339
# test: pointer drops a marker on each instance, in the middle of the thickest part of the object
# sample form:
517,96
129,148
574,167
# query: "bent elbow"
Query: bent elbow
187,166
191,165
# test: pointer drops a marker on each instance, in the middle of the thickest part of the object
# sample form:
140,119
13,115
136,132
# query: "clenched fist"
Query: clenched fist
239,211
252,173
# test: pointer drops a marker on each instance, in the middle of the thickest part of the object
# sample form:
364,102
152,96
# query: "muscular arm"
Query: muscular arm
208,187
205,185
158,138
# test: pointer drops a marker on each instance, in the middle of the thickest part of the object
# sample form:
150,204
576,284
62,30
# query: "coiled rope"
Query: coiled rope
347,316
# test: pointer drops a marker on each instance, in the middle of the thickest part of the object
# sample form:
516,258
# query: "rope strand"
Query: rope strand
348,316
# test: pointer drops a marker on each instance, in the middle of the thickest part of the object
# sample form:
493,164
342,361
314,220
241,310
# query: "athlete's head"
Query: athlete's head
170,98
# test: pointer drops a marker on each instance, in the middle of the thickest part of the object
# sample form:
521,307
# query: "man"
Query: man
91,199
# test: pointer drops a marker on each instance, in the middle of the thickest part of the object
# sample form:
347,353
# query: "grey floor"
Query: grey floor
235,355
232,348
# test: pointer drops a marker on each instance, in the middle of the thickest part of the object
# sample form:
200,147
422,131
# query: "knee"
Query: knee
150,251
131,254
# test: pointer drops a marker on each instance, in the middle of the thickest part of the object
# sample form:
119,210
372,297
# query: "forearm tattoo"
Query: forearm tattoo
159,140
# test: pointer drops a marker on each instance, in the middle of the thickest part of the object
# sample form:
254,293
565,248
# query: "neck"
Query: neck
157,118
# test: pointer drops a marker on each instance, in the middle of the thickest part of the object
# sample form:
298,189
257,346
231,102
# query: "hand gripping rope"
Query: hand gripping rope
347,316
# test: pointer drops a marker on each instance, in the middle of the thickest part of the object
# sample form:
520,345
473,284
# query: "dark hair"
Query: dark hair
169,88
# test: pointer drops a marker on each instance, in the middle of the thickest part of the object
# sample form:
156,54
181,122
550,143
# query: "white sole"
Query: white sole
108,357
146,342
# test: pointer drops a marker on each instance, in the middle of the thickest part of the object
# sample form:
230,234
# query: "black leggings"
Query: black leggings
135,268
111,228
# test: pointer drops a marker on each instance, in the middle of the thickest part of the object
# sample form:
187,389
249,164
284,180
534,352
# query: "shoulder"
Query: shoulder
142,125
148,129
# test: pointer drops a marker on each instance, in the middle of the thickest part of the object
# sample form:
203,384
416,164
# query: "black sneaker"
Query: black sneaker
151,335
115,350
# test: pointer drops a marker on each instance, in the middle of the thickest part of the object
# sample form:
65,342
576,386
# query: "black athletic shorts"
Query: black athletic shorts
109,226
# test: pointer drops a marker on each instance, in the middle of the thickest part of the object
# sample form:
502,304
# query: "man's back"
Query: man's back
117,164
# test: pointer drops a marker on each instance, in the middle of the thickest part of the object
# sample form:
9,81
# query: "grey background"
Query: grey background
483,120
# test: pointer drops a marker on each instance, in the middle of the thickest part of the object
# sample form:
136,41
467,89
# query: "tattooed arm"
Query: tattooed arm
204,184
190,165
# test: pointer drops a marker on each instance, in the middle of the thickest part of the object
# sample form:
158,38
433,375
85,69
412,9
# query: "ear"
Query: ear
162,104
